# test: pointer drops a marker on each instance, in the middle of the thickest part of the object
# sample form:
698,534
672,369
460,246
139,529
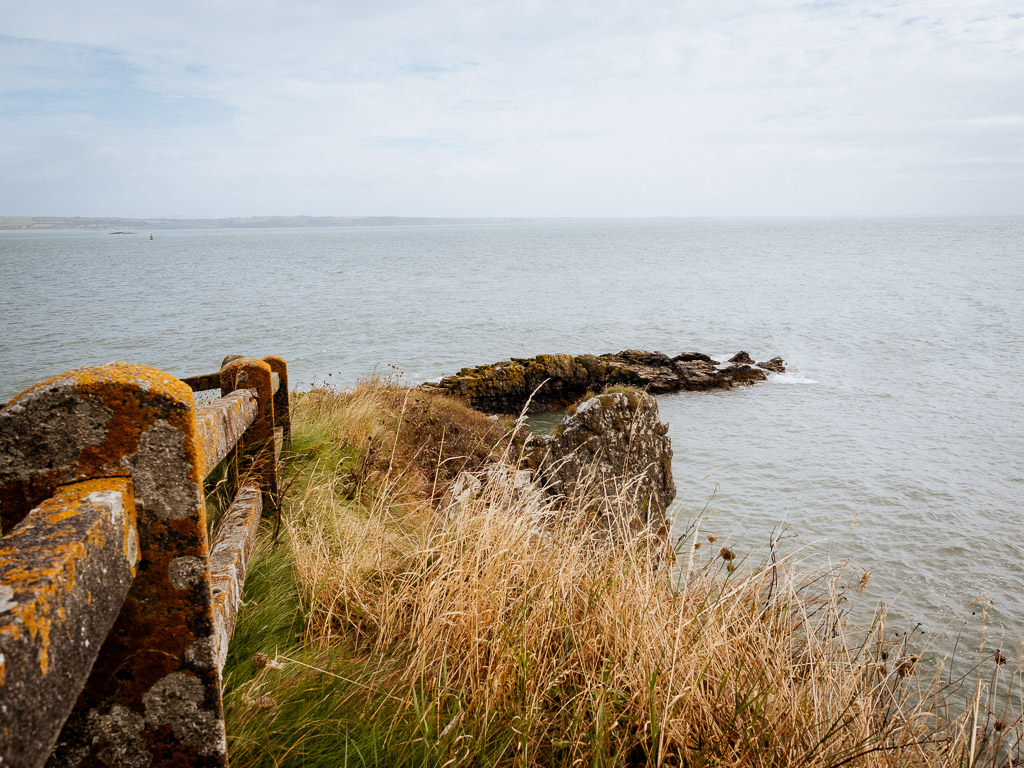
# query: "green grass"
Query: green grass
291,698
305,705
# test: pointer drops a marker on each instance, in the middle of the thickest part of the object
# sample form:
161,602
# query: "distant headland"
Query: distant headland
99,224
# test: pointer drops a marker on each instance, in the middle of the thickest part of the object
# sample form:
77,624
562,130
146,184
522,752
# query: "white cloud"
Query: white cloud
484,108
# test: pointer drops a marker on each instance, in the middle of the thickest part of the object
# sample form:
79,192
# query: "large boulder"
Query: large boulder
613,456
546,382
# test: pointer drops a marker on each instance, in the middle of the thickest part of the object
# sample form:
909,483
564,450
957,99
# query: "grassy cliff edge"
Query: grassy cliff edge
387,624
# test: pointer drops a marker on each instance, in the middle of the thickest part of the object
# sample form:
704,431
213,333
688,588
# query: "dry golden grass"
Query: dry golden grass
504,619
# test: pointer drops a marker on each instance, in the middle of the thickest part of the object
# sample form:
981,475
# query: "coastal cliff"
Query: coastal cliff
446,607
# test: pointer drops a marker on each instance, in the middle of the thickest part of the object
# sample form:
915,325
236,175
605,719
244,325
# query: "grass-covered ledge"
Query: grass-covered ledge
387,625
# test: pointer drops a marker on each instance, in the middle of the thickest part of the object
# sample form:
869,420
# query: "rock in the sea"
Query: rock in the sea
546,382
613,454
691,357
741,358
775,365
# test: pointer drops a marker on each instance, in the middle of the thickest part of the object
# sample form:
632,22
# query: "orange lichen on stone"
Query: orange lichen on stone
83,424
64,574
157,670
44,571
258,441
117,387
221,424
123,420
229,560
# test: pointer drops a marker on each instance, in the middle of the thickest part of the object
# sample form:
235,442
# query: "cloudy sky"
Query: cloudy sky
481,108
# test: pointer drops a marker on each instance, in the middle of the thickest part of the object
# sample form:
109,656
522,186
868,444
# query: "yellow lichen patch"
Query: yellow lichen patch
41,575
130,398
39,628
232,369
153,381
12,628
193,446
137,396
147,378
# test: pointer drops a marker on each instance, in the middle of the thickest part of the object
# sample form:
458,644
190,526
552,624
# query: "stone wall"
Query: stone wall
114,618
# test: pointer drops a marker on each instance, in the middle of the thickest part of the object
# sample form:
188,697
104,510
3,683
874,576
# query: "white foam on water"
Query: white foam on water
792,378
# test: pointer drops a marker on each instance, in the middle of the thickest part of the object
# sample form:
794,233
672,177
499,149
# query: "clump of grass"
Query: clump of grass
382,435
500,629
573,407
631,393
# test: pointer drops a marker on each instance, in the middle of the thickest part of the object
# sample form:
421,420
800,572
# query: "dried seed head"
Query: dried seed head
1000,725
260,660
1000,659
906,666
727,554
712,539
265,702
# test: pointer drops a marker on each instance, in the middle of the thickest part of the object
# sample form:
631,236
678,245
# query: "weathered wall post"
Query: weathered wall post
153,697
282,410
258,442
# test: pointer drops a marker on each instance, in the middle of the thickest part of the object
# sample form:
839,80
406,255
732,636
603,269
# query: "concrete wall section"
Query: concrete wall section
221,425
229,560
153,697
258,441
64,574
115,616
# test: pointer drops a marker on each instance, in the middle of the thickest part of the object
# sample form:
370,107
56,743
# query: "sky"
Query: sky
511,109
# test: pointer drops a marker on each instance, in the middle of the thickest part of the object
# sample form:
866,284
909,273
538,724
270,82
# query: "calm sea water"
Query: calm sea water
896,437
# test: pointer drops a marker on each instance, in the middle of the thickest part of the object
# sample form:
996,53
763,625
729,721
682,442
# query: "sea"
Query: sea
894,442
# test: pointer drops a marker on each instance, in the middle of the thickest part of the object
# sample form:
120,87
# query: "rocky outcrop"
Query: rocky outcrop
741,358
555,381
775,365
612,455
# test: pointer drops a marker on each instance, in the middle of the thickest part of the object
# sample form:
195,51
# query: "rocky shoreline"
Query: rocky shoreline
546,382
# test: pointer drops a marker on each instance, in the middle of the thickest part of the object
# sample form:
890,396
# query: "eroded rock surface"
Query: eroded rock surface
775,365
614,452
555,381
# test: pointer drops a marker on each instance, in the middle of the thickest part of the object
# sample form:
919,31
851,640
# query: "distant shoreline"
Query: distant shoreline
9,224
99,224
